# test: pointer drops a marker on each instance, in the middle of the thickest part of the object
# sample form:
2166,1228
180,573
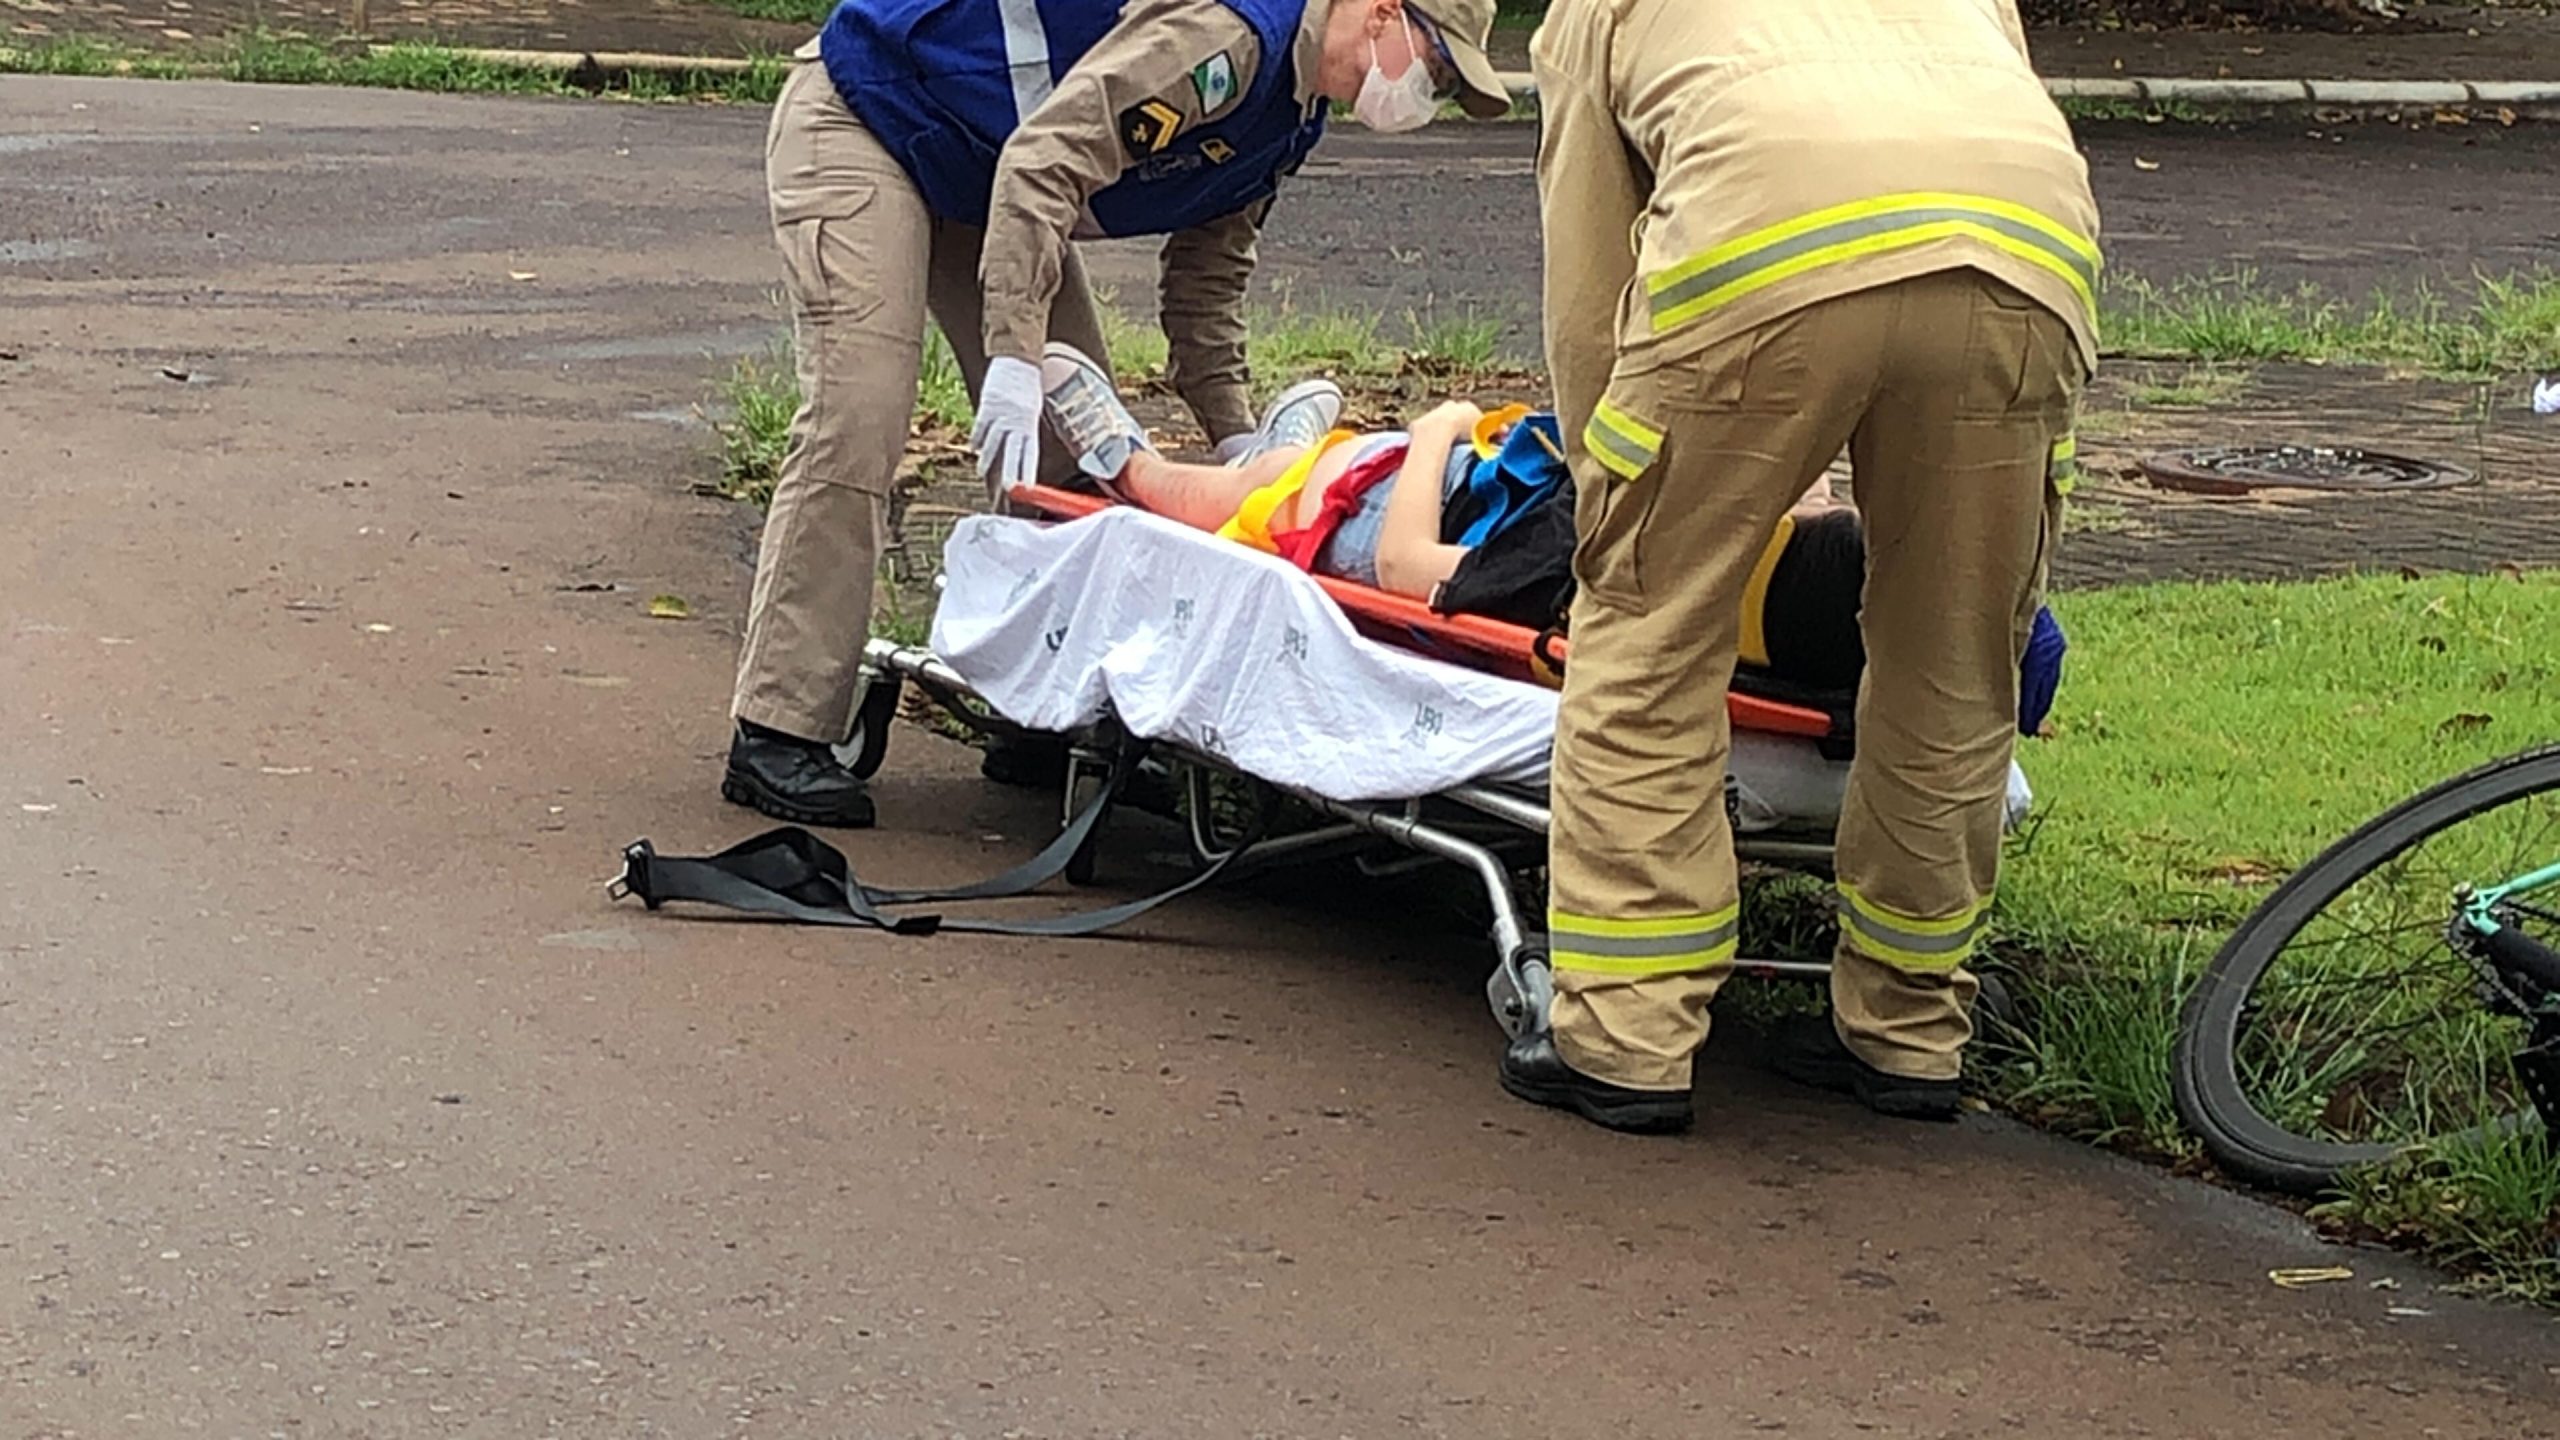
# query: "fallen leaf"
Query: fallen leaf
2464,724
172,373
523,275
2452,117
2240,872
378,628
2141,164
669,607
2506,116
2253,49
2297,1279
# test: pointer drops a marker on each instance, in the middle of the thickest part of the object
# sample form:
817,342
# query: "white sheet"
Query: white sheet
1199,641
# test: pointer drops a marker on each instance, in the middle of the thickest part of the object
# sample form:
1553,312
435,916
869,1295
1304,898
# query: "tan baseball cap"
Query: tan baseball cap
1464,28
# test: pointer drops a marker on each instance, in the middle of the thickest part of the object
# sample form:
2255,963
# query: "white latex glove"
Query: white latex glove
1007,433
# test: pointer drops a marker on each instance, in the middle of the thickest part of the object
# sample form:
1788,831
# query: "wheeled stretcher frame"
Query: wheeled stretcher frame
1494,833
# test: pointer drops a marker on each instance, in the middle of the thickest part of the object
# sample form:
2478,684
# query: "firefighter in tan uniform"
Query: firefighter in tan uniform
937,157
1774,229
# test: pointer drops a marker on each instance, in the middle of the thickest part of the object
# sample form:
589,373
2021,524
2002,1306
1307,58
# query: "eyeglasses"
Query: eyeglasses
1442,65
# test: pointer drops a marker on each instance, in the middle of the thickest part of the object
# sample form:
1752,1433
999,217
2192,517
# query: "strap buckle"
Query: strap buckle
634,879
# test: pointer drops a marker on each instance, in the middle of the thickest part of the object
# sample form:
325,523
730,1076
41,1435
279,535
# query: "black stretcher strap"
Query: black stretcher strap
793,875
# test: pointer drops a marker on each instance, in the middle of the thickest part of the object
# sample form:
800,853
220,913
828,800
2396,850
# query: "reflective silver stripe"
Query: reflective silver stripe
1646,947
1690,288
1912,942
1631,456
1026,50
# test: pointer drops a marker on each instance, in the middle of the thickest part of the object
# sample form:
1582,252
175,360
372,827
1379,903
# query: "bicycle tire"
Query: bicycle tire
2205,1079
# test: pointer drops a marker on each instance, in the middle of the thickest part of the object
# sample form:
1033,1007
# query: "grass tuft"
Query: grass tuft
2510,325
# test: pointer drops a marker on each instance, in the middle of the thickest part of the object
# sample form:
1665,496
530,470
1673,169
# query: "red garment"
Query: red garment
1299,547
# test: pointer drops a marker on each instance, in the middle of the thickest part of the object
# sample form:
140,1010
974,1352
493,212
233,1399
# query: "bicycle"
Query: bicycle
2384,998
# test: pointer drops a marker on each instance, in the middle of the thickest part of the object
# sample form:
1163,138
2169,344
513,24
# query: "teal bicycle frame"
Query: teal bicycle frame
2478,908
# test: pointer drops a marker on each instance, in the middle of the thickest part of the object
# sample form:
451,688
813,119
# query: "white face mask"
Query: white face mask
1396,105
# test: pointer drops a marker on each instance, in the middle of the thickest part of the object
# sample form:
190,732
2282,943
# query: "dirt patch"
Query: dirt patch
2126,529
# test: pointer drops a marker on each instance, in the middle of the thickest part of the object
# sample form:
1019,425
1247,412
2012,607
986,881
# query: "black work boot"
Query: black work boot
1808,1051
1532,1070
793,779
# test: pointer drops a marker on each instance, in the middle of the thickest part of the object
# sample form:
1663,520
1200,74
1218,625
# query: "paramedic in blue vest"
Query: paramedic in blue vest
937,158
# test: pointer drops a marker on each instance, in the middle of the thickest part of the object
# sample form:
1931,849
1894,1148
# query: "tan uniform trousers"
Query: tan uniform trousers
1951,392
864,264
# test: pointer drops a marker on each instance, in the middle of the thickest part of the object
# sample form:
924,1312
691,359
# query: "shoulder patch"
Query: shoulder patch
1149,126
1215,80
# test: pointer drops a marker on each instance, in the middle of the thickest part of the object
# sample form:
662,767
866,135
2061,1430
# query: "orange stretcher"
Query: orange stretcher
1495,646
1493,833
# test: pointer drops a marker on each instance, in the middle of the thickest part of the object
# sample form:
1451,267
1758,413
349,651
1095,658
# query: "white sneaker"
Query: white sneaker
1087,414
1302,415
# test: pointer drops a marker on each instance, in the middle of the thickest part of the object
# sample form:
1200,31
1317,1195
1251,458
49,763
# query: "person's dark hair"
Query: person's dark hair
1809,617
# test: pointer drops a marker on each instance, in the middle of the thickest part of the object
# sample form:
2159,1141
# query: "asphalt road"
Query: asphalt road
341,447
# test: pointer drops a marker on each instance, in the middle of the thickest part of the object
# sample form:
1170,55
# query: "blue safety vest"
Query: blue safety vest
942,83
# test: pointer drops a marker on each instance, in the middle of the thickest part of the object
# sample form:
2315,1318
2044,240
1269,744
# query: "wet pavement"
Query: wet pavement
339,445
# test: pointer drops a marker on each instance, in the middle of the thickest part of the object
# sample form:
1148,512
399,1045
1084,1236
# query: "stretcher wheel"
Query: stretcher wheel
1520,990
871,722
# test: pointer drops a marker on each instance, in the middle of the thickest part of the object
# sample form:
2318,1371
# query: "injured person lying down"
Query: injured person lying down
1472,512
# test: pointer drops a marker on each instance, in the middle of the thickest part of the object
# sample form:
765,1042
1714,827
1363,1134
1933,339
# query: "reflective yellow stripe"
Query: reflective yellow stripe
1639,948
1621,441
1251,524
2062,466
1909,942
1754,649
1861,228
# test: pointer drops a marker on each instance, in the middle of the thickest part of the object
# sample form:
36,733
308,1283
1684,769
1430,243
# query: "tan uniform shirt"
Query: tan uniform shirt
1707,168
1163,53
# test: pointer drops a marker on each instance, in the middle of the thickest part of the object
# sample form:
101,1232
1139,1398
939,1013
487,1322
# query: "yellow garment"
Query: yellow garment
1754,649
1251,523
1491,427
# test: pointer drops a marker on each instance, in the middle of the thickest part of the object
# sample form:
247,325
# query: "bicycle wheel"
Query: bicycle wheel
2337,1027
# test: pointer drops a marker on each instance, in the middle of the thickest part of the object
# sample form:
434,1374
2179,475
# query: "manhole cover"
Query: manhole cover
2239,469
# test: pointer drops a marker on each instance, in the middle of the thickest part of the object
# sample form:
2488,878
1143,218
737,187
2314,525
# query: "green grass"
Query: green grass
261,58
804,12
2200,387
88,57
2078,109
2492,1210
2509,326
2211,738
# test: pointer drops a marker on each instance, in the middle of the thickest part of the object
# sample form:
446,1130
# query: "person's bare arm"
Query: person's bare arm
1412,558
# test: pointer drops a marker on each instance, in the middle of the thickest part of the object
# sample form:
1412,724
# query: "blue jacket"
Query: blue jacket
942,83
